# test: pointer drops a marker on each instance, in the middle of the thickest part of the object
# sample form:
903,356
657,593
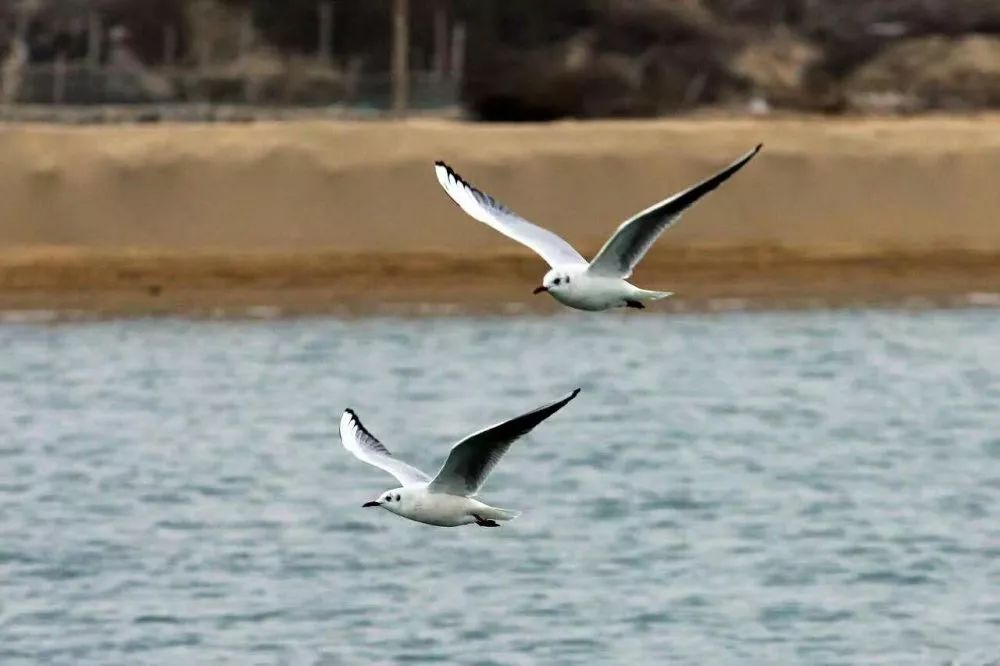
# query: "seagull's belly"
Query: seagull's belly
593,294
443,510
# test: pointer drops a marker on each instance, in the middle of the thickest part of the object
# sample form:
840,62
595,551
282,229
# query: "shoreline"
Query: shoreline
95,284
308,217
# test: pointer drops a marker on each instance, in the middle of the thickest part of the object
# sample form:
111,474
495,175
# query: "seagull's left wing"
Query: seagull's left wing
473,458
481,206
636,235
364,446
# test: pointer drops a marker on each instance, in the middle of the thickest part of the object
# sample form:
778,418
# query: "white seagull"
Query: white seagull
601,284
447,500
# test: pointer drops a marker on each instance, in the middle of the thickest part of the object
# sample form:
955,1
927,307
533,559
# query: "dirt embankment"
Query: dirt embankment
329,214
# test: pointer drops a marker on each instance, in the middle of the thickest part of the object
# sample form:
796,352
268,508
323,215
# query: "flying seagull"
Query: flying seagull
601,284
447,500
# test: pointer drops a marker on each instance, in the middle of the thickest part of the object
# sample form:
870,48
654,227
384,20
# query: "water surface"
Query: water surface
808,488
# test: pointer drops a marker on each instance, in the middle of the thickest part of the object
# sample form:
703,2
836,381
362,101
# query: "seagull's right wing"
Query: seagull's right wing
636,235
472,459
365,447
488,210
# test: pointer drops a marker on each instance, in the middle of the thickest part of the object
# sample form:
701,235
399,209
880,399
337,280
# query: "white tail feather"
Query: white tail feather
646,295
501,514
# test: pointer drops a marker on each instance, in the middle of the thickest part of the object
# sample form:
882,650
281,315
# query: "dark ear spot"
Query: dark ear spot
397,498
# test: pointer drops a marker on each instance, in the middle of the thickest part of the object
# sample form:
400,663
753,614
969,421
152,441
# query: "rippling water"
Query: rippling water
807,488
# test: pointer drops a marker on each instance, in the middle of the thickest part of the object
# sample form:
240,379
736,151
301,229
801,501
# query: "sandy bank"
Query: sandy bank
333,209
94,282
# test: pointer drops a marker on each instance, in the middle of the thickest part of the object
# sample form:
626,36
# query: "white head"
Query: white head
396,500
556,280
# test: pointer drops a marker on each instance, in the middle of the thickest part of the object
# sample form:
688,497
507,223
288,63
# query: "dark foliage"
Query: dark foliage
535,59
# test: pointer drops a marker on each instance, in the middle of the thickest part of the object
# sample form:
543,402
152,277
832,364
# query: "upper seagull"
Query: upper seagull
602,283
446,500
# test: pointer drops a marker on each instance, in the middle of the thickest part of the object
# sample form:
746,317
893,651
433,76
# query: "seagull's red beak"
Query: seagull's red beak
368,504
539,290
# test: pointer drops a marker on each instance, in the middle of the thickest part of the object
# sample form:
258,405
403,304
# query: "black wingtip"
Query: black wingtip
562,402
711,183
451,173
554,407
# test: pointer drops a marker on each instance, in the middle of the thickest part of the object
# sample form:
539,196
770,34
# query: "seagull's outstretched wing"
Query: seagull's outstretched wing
472,459
365,447
488,210
636,235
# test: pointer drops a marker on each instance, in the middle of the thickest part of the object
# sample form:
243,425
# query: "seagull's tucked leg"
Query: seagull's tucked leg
485,522
636,297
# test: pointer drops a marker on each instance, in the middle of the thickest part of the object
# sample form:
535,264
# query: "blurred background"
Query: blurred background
302,133
517,60
220,227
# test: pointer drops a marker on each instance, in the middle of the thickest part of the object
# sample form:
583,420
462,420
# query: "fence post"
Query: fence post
169,46
440,41
400,55
94,39
458,53
324,48
204,51
59,79
12,70
245,46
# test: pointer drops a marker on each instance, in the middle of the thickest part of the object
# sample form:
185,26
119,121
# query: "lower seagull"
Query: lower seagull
447,500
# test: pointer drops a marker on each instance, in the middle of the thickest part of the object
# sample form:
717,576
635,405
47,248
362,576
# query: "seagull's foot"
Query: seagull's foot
635,304
485,522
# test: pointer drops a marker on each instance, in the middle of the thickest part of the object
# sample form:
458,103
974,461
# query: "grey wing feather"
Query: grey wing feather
481,206
636,235
366,447
473,458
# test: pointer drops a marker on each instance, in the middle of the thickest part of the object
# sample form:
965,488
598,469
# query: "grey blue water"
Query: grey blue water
766,488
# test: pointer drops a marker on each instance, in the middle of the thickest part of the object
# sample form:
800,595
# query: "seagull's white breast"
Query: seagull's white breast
593,292
440,509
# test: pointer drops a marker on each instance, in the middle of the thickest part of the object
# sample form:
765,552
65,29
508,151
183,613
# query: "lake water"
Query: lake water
768,488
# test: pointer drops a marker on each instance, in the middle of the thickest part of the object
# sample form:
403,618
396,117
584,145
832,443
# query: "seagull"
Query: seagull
447,500
600,284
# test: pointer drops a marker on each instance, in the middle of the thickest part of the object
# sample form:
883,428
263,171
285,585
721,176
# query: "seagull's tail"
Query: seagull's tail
646,295
500,514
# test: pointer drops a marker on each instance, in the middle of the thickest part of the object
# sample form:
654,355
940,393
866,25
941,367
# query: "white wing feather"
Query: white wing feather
553,249
365,447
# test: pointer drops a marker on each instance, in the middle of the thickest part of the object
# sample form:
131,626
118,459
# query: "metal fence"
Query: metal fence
241,72
80,84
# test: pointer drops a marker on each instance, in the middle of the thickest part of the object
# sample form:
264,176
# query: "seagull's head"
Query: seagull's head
392,500
554,281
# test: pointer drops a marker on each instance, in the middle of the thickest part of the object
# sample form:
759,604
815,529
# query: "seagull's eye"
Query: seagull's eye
388,498
557,281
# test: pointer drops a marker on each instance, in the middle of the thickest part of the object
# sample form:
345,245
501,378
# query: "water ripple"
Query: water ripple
730,488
